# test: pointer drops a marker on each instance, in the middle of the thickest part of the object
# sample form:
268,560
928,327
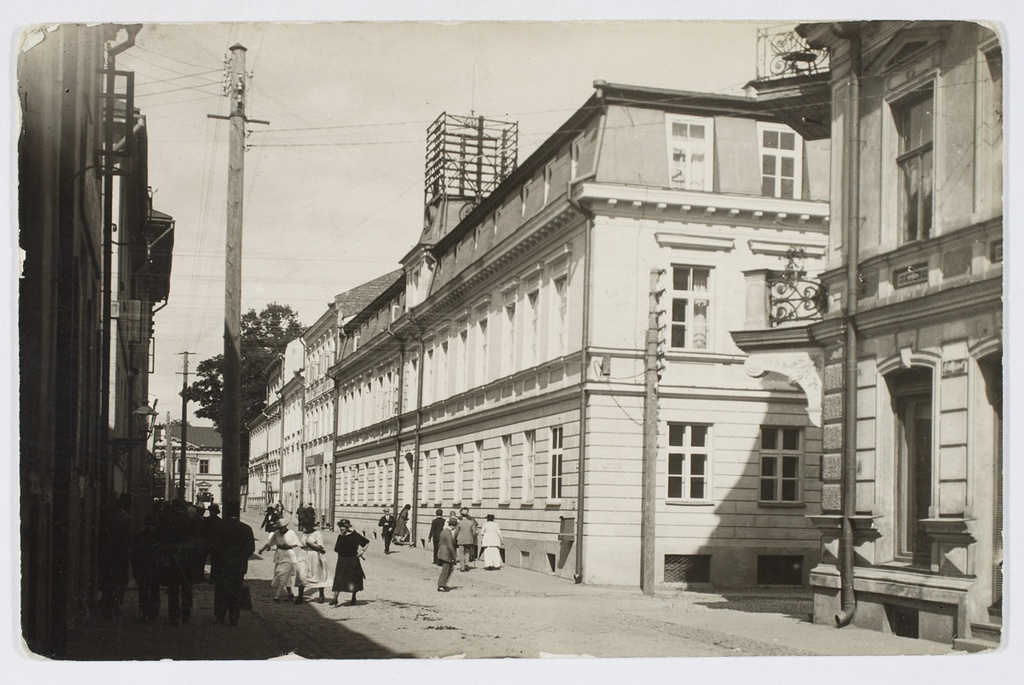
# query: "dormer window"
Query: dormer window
781,161
690,152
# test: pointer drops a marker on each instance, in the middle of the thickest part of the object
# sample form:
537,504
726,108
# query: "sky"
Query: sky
333,190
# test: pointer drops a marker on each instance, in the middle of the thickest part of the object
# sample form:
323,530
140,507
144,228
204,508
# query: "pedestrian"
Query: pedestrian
208,527
270,520
491,543
402,526
145,567
231,546
387,529
114,545
307,517
314,574
436,526
348,576
178,540
465,538
446,554
285,542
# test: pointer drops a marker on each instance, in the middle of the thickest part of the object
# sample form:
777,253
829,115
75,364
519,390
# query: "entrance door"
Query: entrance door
912,409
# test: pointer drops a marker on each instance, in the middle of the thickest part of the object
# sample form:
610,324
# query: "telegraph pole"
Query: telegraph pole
650,438
231,399
184,423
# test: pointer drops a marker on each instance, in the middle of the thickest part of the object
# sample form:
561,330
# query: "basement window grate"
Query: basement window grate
903,621
774,569
687,568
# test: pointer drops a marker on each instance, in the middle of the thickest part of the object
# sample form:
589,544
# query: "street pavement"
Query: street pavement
506,613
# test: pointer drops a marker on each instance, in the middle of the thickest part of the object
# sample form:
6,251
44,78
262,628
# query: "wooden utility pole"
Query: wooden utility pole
184,423
231,398
650,442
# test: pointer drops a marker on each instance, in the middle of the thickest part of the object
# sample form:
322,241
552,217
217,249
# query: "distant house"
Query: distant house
203,466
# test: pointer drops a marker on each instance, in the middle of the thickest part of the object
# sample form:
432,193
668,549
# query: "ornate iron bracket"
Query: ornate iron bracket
792,296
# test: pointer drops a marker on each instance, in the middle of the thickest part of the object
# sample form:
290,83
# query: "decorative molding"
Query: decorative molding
781,248
802,368
692,242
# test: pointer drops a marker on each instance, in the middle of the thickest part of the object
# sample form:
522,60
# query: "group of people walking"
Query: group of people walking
172,549
299,563
463,541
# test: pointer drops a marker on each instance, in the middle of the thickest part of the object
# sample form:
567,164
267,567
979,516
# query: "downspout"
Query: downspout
419,425
398,413
585,333
302,439
851,216
113,49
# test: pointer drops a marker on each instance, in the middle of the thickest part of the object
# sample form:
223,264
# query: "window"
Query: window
529,465
690,152
442,371
914,118
428,374
457,494
781,162
505,470
204,466
425,471
781,452
688,463
558,314
478,471
555,465
574,157
690,307
481,357
509,357
531,337
462,358
438,475
911,391
547,183
524,198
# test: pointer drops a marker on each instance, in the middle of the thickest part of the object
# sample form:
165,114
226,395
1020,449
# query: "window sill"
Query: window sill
553,503
689,503
504,503
783,505
526,503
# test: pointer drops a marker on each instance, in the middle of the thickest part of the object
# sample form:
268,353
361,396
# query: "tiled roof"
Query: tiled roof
201,436
355,300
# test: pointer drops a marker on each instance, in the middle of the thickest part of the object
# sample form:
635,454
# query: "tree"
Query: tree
264,337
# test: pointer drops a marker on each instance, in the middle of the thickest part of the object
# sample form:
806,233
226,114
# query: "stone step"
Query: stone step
973,644
991,631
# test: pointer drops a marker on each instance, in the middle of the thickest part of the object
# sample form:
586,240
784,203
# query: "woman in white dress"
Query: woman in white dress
285,542
314,573
491,542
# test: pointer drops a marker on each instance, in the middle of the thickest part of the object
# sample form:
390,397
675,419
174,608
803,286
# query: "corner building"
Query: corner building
503,370
912,465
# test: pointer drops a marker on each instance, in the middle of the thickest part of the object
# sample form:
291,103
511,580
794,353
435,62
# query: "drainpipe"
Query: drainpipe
849,480
416,435
398,412
585,334
113,49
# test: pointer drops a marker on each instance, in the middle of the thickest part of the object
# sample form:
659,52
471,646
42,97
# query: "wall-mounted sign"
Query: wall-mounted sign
910,275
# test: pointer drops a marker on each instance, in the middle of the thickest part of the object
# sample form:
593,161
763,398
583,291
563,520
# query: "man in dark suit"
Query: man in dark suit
387,529
234,544
446,554
436,526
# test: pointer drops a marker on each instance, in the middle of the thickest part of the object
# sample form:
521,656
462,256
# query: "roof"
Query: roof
357,299
201,436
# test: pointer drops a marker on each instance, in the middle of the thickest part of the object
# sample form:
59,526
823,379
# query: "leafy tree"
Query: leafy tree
264,337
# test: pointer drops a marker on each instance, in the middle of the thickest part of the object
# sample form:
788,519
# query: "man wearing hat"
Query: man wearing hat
387,529
446,554
232,545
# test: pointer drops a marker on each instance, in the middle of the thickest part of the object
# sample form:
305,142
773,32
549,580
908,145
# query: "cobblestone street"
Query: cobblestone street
506,613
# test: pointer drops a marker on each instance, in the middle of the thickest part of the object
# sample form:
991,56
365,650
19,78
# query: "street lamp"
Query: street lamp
144,418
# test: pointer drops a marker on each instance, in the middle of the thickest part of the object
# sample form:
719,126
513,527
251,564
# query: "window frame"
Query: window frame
778,454
687,451
707,182
901,110
529,466
556,458
690,296
797,154
505,470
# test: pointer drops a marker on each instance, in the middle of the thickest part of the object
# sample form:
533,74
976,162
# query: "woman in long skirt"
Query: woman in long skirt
401,535
314,574
285,543
491,542
348,576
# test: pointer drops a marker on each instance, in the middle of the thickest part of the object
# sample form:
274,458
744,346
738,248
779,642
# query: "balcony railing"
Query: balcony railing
781,53
794,297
